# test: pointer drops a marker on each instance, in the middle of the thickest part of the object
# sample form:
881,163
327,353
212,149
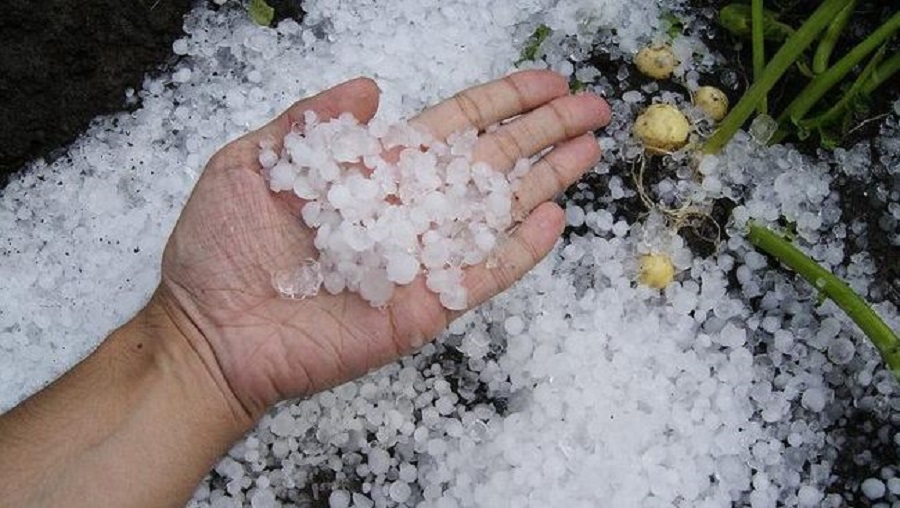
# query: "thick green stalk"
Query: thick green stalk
822,83
759,48
884,339
830,38
792,48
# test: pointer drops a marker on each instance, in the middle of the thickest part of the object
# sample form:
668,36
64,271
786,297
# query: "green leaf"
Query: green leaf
736,18
260,12
533,44
676,26
828,140
576,85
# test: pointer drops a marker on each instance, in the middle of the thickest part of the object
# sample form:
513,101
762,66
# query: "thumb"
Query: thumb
358,97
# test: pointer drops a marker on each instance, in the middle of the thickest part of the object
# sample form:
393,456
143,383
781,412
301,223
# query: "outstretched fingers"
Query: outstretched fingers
484,105
562,119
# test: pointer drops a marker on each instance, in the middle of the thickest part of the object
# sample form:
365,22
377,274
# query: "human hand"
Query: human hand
234,233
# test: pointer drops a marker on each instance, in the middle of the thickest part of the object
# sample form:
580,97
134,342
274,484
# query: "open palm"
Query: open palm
234,233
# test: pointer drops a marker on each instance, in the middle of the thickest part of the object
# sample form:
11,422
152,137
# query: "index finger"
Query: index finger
484,105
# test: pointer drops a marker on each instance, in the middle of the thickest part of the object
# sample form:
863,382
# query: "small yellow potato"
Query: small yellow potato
657,62
656,271
662,128
711,101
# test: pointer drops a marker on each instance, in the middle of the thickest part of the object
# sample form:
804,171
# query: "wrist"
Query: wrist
187,359
143,410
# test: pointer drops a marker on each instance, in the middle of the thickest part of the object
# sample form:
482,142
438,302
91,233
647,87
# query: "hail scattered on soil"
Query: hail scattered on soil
578,387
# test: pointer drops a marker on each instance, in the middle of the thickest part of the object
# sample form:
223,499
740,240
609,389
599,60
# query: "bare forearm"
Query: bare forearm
137,423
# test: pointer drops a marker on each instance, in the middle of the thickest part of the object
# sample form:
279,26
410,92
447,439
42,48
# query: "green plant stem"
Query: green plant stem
759,49
792,48
884,339
822,83
873,76
883,73
830,38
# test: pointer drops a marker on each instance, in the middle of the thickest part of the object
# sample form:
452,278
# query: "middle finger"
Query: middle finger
559,120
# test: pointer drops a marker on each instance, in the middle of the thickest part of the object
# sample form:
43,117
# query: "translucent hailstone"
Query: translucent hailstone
762,128
380,221
301,282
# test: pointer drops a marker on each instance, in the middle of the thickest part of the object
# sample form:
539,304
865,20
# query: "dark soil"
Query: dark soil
65,62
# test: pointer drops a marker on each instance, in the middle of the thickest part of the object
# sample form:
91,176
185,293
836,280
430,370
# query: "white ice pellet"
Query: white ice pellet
339,499
455,298
361,501
402,268
407,472
378,227
841,351
180,47
182,75
263,498
379,461
873,488
574,216
514,325
813,399
893,486
632,96
268,158
809,497
399,491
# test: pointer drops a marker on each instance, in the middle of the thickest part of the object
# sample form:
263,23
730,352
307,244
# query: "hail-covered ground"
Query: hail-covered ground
576,388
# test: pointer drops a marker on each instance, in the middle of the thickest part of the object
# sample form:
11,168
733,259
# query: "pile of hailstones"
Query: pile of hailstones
387,201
